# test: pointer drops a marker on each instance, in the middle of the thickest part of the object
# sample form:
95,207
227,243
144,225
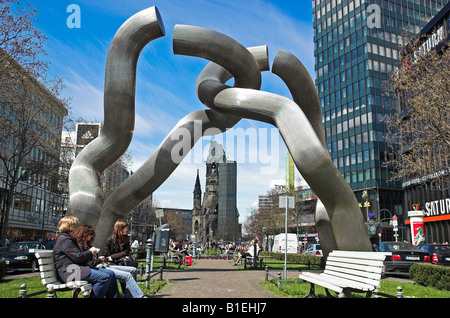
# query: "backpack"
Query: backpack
372,229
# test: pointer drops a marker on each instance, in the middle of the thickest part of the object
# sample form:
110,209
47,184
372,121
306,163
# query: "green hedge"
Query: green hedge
141,254
212,252
296,258
431,275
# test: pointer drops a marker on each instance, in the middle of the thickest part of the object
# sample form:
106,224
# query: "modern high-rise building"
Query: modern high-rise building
356,48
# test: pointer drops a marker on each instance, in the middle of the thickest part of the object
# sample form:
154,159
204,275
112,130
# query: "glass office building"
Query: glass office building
356,48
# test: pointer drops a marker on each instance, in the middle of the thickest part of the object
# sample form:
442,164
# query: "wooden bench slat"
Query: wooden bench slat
341,282
49,276
44,254
356,273
363,255
47,267
50,280
349,283
344,270
358,267
359,279
56,285
358,261
45,261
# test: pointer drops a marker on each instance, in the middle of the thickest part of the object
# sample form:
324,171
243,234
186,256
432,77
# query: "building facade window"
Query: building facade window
352,62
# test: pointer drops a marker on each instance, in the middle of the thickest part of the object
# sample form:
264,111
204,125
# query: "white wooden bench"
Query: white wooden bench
51,281
348,271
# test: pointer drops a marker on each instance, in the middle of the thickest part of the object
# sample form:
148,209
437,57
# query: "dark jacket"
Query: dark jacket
95,260
71,262
116,250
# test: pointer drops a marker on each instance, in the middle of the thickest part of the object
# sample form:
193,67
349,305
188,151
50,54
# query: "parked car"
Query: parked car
314,249
440,253
403,256
49,245
20,256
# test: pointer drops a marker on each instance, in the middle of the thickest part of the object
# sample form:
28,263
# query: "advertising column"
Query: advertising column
417,229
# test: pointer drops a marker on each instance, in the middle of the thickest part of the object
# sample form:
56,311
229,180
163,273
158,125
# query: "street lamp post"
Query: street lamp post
365,196
286,202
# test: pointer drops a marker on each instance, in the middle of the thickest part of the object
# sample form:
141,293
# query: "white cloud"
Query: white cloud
87,100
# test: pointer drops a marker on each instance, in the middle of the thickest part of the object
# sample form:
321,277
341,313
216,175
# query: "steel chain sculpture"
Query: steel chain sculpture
338,218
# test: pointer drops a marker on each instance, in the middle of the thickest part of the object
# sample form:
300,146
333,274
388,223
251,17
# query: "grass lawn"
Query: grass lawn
410,290
10,289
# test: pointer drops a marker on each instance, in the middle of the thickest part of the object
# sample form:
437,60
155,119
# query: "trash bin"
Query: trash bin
162,238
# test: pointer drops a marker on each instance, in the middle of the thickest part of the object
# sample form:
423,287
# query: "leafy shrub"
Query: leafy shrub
141,254
213,252
296,258
431,275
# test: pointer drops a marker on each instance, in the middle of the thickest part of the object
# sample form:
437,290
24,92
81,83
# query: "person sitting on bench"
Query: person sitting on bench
250,252
173,252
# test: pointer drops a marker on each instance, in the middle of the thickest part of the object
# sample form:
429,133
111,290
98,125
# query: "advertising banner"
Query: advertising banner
417,229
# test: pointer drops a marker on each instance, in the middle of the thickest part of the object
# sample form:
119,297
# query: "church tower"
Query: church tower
197,218
197,194
215,214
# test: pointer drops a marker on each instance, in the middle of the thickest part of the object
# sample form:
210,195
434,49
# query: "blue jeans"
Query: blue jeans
127,277
103,284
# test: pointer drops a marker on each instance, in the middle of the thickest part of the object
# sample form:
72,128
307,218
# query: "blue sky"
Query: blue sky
165,90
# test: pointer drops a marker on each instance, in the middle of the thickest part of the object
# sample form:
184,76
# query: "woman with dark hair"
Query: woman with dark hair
125,274
117,245
180,247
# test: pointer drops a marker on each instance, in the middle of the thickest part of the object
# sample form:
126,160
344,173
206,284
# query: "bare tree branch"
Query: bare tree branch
419,124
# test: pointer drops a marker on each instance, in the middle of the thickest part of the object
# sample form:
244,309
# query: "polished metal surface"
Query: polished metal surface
85,194
310,157
338,217
191,128
301,86
305,142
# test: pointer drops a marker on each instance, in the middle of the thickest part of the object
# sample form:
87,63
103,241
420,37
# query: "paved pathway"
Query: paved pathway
215,279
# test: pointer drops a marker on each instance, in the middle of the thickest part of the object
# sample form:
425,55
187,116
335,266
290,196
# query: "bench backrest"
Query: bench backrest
361,267
47,267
